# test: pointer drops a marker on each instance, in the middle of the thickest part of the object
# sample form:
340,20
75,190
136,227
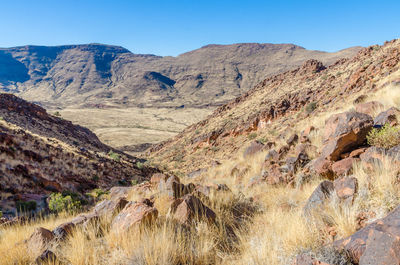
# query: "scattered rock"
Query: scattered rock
254,148
346,188
377,243
62,231
344,167
47,257
40,238
304,136
190,208
369,107
318,197
389,116
133,215
343,132
293,139
322,167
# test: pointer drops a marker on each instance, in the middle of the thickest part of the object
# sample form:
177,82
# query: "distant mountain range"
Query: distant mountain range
97,75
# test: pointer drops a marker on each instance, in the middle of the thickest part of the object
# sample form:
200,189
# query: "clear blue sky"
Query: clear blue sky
173,27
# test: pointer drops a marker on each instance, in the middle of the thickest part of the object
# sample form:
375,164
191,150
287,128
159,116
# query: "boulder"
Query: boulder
292,140
134,215
305,135
190,208
62,231
119,192
109,208
377,243
344,132
357,152
346,188
322,167
174,188
272,156
344,167
47,257
40,238
369,107
254,148
318,197
387,117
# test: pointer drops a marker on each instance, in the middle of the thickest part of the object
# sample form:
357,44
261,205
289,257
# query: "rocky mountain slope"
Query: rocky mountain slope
273,108
41,154
96,75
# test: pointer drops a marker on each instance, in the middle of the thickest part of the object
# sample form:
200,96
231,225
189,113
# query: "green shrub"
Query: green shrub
386,137
140,165
252,136
1,214
26,206
311,107
57,114
63,203
114,156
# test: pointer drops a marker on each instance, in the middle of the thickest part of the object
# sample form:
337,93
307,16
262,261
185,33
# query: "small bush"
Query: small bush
386,137
114,156
1,214
140,165
60,203
57,114
252,136
97,193
311,107
26,206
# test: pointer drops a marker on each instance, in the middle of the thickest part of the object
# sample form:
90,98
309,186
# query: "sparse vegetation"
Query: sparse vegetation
252,136
27,206
139,165
114,156
386,137
63,203
57,114
311,107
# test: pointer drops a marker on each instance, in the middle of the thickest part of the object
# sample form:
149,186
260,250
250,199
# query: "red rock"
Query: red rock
293,139
133,215
357,152
319,196
346,188
389,116
343,167
254,148
343,132
40,238
322,167
190,208
119,192
157,178
304,136
377,243
369,107
109,208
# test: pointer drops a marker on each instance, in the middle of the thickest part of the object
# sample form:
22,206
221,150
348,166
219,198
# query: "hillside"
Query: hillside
42,154
280,106
101,74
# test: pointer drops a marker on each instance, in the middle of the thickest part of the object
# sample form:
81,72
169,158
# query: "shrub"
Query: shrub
140,165
63,203
57,114
1,214
311,107
114,156
252,136
26,206
386,137
97,193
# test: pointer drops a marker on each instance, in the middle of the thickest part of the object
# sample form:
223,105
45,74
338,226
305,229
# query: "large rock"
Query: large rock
387,117
369,107
323,167
343,132
344,167
133,215
109,208
254,148
190,208
119,192
346,188
377,243
173,187
40,238
318,197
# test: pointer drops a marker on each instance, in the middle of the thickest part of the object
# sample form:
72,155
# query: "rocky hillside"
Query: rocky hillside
96,75
41,154
277,106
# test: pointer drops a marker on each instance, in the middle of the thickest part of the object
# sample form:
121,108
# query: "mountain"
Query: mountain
273,109
94,73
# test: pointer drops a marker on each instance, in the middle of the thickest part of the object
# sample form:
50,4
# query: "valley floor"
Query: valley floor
119,127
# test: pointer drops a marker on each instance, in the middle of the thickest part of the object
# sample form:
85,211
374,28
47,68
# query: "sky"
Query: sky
174,27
